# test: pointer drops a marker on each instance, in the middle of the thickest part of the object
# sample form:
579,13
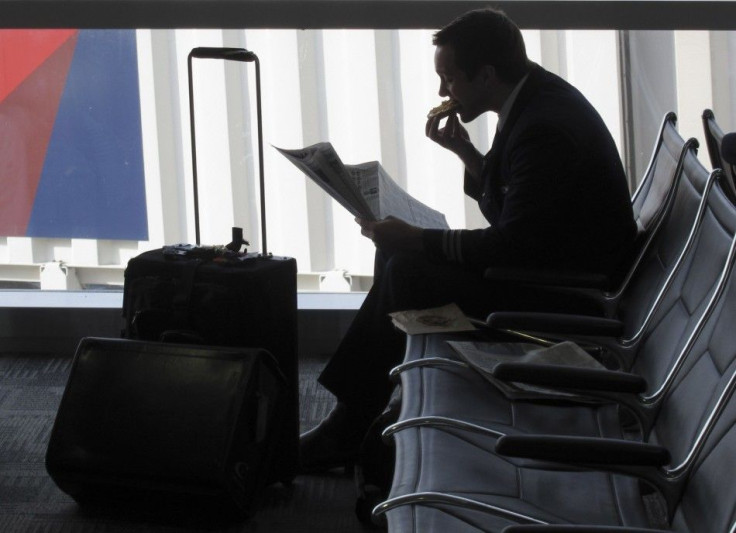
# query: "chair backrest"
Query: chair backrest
666,243
665,349
713,139
697,419
708,501
649,200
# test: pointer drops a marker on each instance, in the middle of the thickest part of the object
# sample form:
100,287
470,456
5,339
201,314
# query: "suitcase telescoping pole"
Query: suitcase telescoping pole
230,54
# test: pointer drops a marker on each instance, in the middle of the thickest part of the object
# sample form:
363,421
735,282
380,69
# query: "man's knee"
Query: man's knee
405,265
410,282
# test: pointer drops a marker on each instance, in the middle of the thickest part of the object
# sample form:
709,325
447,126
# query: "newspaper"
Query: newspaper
365,190
445,319
484,356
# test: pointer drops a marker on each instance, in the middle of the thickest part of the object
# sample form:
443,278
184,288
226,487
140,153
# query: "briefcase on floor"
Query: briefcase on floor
169,427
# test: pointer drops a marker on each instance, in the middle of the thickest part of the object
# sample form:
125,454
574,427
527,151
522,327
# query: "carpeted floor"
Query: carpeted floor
31,387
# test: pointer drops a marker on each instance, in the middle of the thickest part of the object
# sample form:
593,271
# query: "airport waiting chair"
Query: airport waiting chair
713,141
466,481
706,501
441,391
650,202
695,426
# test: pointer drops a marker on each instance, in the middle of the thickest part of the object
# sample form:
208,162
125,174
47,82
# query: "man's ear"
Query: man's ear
488,75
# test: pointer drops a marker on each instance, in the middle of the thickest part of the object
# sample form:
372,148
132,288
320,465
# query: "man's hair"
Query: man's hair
485,37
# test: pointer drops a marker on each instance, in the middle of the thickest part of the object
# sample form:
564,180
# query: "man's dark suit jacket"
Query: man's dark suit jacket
553,188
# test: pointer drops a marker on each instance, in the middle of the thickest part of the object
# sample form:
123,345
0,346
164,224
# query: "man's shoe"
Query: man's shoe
334,442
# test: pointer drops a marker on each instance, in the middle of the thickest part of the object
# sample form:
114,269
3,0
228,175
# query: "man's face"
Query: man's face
472,95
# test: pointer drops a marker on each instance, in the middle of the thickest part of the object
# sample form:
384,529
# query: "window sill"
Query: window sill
311,301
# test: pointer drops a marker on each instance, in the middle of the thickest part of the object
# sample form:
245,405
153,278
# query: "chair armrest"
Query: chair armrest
550,278
570,377
555,323
538,528
583,450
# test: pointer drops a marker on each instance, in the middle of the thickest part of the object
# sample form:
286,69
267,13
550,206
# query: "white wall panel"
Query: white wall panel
212,139
651,91
552,50
694,88
591,67
20,250
433,175
319,207
166,157
390,104
353,128
285,187
723,75
150,139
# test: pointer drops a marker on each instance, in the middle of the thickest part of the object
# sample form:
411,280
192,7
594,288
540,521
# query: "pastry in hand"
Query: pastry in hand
445,109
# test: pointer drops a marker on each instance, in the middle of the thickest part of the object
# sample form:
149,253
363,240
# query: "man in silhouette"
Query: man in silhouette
552,188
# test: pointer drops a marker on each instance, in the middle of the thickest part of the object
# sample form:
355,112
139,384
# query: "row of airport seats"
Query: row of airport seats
641,437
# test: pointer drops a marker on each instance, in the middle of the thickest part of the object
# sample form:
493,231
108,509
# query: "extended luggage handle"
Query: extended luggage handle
228,54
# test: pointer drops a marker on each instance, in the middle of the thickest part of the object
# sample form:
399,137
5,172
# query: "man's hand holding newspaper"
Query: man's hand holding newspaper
392,234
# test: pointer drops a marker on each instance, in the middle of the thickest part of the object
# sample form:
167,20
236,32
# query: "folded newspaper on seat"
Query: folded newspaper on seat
484,356
365,190
446,319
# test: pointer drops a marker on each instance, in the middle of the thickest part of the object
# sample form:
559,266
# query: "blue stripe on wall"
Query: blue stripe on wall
92,184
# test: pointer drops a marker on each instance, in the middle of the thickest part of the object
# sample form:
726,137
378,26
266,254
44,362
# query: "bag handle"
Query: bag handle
228,54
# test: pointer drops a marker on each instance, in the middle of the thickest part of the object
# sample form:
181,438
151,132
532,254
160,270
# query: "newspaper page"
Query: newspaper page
321,163
365,190
387,198
484,356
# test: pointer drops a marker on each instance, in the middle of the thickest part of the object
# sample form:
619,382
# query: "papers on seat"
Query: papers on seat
484,356
445,319
365,190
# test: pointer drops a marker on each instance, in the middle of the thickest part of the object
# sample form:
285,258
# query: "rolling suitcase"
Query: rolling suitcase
219,295
168,428
247,301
